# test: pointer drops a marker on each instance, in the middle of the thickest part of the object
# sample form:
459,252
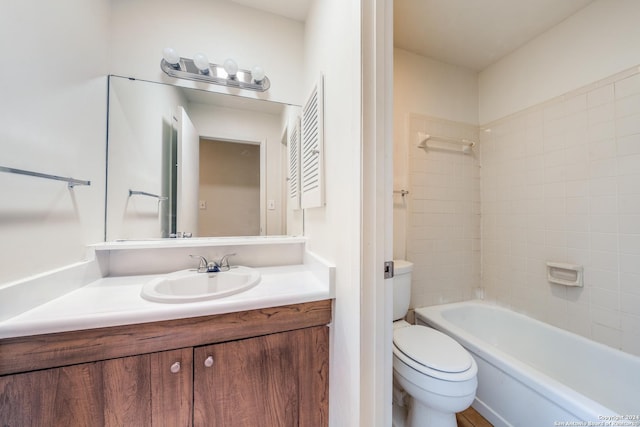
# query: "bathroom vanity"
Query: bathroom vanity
102,355
259,367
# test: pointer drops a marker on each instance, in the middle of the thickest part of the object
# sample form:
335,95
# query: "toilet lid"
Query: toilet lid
432,349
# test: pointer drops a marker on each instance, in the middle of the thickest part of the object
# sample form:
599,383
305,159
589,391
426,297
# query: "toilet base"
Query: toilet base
429,409
422,416
399,416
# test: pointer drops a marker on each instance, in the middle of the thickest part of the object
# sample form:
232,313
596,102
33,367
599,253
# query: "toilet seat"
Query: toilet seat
433,353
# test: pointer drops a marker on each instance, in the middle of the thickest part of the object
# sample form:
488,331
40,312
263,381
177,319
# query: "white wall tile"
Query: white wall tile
629,224
605,316
595,277
629,165
628,86
607,335
629,204
576,197
607,242
627,106
603,148
600,96
603,205
601,130
628,125
444,216
629,263
603,167
629,145
630,304
604,113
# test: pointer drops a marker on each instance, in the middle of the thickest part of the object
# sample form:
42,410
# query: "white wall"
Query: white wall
140,29
426,86
332,46
598,41
52,120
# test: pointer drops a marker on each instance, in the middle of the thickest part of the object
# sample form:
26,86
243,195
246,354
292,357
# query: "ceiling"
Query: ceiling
469,33
292,9
475,33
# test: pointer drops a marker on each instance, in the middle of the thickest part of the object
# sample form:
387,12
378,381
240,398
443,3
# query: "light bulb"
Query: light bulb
257,73
201,62
231,68
171,56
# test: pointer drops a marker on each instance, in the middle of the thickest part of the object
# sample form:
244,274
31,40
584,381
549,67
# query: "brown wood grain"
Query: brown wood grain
70,395
127,391
130,391
22,354
313,387
263,381
172,393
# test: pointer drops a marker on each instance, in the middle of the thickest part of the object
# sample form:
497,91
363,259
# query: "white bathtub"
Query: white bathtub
534,374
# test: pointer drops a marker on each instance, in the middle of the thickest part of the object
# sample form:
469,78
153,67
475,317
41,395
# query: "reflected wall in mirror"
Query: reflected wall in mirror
191,161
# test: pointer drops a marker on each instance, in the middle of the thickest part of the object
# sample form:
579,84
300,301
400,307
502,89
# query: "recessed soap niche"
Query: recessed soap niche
565,274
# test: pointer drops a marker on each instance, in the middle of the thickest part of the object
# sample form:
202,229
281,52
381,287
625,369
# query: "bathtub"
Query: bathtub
534,374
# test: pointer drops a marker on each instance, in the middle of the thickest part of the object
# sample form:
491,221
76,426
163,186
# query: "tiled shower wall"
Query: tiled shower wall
443,213
561,182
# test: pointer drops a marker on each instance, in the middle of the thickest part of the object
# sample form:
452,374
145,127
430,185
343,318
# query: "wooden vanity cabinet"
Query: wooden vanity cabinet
151,389
264,367
273,380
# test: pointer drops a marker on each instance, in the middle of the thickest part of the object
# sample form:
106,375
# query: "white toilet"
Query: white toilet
433,375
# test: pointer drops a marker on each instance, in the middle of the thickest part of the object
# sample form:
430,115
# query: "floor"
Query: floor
471,418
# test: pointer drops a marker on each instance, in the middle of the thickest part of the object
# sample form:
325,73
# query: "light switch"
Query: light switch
271,205
202,204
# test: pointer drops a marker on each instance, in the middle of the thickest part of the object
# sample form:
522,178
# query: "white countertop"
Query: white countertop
113,301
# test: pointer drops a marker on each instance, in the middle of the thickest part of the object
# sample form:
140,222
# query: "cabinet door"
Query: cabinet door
172,388
274,380
68,396
117,392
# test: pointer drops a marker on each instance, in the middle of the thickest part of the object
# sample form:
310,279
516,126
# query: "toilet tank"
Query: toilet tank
401,287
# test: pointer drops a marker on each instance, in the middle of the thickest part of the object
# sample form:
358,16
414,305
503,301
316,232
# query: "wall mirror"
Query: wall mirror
183,160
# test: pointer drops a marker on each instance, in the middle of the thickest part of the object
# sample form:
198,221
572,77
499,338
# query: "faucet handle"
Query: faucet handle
224,262
203,265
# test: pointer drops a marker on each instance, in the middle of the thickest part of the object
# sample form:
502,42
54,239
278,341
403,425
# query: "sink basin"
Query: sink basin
191,286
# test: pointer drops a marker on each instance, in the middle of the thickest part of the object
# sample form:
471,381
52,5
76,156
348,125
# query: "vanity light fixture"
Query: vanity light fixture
200,69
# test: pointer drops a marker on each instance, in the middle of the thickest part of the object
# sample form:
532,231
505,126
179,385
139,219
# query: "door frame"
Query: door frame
376,322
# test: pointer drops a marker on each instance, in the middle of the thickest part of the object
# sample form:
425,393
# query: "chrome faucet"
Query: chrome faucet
205,266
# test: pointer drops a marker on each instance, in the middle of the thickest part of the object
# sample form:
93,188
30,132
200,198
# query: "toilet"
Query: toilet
433,376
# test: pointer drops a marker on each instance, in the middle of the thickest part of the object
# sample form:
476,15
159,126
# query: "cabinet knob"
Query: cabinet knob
175,368
208,362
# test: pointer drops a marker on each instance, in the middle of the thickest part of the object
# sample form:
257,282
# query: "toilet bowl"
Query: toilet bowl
438,374
434,376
